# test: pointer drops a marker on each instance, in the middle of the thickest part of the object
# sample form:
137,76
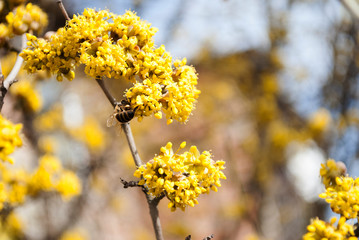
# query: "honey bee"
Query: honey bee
123,113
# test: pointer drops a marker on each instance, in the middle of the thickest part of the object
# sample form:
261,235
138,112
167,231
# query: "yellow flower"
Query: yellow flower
50,176
320,121
319,230
51,120
74,235
9,138
4,34
181,177
68,185
330,171
11,227
343,197
121,47
25,19
27,95
91,134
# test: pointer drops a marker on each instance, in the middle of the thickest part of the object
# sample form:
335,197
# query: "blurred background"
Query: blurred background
279,83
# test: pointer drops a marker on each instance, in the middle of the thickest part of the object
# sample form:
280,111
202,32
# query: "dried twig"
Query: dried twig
127,184
189,237
100,82
63,10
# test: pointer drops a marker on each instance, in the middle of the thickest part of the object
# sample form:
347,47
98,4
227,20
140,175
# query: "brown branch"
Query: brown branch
127,184
131,143
11,78
63,10
112,100
3,90
189,237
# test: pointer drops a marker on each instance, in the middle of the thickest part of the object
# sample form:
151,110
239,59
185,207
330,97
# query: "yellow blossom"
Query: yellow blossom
4,34
50,176
330,171
50,120
25,19
11,227
91,134
74,235
181,177
27,95
121,47
320,121
319,230
68,185
9,138
343,197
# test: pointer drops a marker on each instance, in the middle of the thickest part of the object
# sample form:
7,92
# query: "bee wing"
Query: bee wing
118,129
111,121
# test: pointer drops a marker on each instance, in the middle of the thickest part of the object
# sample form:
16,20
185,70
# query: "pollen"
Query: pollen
181,177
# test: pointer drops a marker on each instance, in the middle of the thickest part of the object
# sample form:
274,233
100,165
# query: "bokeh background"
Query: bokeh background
279,83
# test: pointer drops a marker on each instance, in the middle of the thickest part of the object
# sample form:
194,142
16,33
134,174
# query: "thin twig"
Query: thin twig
153,203
131,143
127,184
63,10
105,90
3,90
352,6
11,78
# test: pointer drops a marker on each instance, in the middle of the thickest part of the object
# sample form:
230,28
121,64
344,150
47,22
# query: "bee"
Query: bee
123,113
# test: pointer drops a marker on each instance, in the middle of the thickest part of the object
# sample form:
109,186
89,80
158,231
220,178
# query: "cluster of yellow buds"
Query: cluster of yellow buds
330,170
22,19
319,229
29,18
343,197
13,186
181,177
27,95
50,176
9,138
119,46
342,193
12,227
17,184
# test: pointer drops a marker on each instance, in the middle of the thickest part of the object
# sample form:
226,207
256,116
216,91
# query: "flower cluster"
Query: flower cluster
50,176
74,234
181,177
9,138
17,184
319,229
320,121
23,19
27,95
344,197
91,134
330,171
11,227
342,193
13,186
119,46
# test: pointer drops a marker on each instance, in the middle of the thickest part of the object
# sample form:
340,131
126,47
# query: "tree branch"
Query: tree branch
100,82
152,202
11,78
352,6
63,10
